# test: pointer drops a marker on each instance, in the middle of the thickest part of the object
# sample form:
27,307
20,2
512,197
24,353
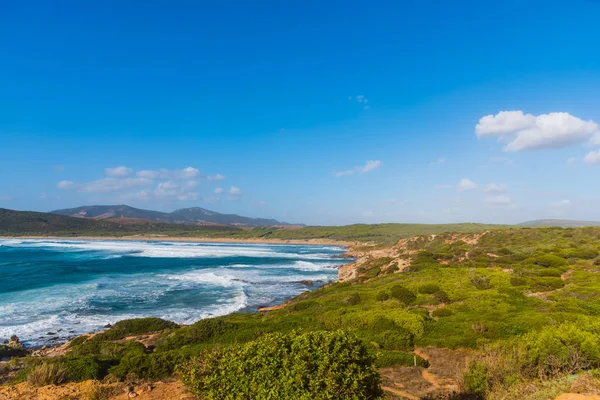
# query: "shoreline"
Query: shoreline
165,238
346,251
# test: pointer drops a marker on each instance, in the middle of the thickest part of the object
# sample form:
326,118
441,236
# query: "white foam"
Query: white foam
165,249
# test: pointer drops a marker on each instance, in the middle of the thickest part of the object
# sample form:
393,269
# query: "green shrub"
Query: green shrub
403,294
394,339
429,288
476,380
518,281
82,369
566,348
441,297
372,273
47,374
323,365
382,296
136,326
481,282
550,272
584,253
199,332
8,352
148,366
353,299
442,312
550,260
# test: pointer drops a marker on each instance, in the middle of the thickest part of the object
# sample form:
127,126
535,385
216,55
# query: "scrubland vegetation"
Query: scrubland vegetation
527,300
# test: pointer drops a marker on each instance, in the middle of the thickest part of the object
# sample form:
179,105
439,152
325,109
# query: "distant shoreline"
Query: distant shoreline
164,238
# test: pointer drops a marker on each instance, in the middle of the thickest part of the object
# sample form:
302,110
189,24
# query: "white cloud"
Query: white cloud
185,173
528,132
119,172
466,184
65,185
571,160
495,188
360,99
561,203
219,190
217,177
5,198
368,167
504,122
438,161
43,195
107,185
58,168
366,107
234,193
498,200
592,158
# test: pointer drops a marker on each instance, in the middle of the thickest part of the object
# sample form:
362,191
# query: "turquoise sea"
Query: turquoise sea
51,290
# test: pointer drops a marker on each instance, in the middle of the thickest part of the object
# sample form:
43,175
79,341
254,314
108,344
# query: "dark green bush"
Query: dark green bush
429,288
441,297
323,365
353,299
403,294
550,260
518,281
199,332
372,273
476,380
148,366
136,326
394,339
82,369
382,296
550,272
442,312
78,340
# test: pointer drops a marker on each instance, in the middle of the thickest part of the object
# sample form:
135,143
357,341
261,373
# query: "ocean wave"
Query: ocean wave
167,249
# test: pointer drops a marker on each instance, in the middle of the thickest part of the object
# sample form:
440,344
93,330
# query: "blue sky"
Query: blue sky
328,112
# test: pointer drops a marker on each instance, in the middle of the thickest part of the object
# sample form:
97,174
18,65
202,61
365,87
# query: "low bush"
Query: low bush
148,366
475,380
481,282
199,332
82,368
403,294
391,358
382,296
442,312
394,339
549,260
441,297
47,374
353,299
320,364
136,326
429,288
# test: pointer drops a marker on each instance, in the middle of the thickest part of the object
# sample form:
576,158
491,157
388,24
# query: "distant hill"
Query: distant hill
36,223
194,215
563,223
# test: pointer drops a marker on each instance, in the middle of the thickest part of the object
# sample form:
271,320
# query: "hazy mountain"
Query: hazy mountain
563,223
194,215
36,223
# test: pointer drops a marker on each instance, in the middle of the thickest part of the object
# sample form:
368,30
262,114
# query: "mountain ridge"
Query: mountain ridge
191,215
563,223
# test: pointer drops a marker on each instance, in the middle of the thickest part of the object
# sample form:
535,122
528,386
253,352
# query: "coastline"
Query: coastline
166,238
347,251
